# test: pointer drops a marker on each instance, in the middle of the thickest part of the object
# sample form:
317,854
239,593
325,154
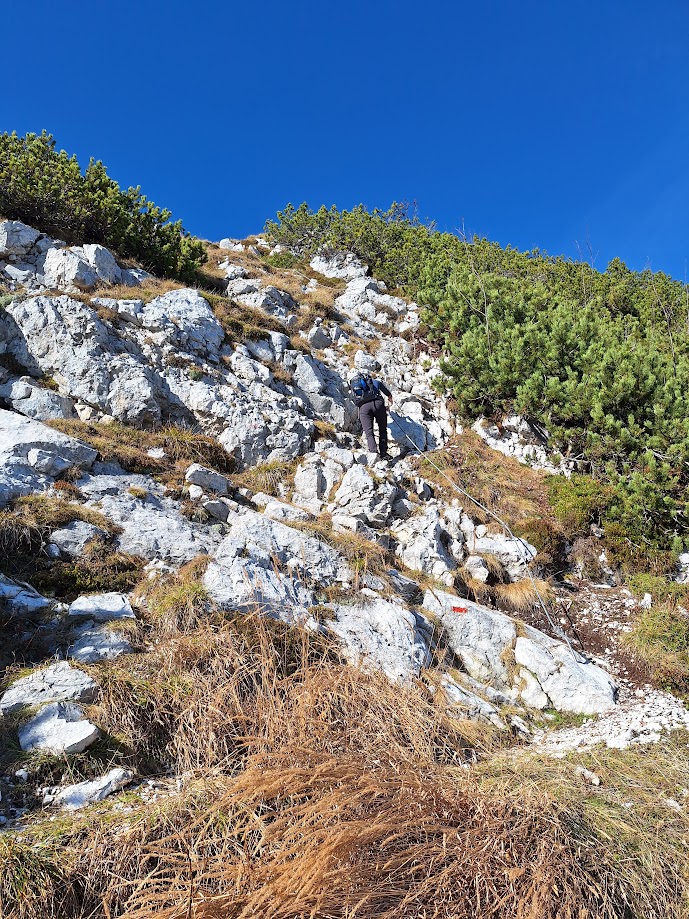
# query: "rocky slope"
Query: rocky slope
79,349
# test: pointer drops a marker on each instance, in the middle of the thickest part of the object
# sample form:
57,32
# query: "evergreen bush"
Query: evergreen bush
601,358
46,189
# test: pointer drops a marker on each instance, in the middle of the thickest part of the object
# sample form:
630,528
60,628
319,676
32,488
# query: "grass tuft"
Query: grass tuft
660,639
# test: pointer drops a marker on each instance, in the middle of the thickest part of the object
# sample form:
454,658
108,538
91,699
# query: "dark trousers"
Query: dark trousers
370,411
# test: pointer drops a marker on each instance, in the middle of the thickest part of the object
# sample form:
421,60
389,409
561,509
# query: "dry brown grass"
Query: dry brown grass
240,322
364,555
176,602
26,524
513,491
522,596
660,642
146,291
128,446
267,477
320,790
302,833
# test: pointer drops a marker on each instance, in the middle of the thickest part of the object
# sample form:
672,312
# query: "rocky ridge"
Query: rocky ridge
267,400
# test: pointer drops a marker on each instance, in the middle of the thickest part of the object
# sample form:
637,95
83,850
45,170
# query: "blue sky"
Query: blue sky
563,126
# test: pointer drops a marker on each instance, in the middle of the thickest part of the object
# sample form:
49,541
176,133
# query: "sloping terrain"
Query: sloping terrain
252,669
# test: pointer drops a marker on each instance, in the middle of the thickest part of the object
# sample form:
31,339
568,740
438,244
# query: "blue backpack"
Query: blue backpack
365,389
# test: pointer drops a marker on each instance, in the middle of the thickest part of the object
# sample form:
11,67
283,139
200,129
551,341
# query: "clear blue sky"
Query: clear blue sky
535,123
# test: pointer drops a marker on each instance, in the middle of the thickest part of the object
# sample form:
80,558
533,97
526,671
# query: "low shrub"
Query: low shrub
48,190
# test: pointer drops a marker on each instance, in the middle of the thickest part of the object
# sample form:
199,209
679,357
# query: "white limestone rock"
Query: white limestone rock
482,638
154,530
339,265
360,496
187,320
476,567
384,635
59,728
420,544
310,486
105,607
514,554
245,584
103,263
21,599
23,440
72,539
74,797
271,543
318,337
36,402
68,269
16,238
279,510
474,707
92,643
568,684
57,683
65,338
208,479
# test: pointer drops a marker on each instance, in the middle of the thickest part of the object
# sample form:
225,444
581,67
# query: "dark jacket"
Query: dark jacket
373,391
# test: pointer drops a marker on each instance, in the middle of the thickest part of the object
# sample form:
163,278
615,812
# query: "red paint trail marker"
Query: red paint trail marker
459,609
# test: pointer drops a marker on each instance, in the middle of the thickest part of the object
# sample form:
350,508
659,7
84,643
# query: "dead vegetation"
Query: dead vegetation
268,477
148,290
660,642
129,446
27,522
512,491
321,790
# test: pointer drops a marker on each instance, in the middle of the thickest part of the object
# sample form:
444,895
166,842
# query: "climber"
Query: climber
368,397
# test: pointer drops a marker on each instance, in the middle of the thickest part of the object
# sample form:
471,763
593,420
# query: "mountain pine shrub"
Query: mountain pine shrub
601,358
47,189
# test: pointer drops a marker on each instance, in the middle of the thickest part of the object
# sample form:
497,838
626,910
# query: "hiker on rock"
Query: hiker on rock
368,396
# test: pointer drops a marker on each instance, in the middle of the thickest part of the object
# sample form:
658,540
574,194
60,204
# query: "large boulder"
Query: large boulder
16,238
245,584
480,637
36,402
420,544
153,529
31,454
64,338
360,496
343,265
68,269
511,656
272,544
58,728
82,268
264,565
208,479
258,434
553,677
187,320
57,683
384,635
